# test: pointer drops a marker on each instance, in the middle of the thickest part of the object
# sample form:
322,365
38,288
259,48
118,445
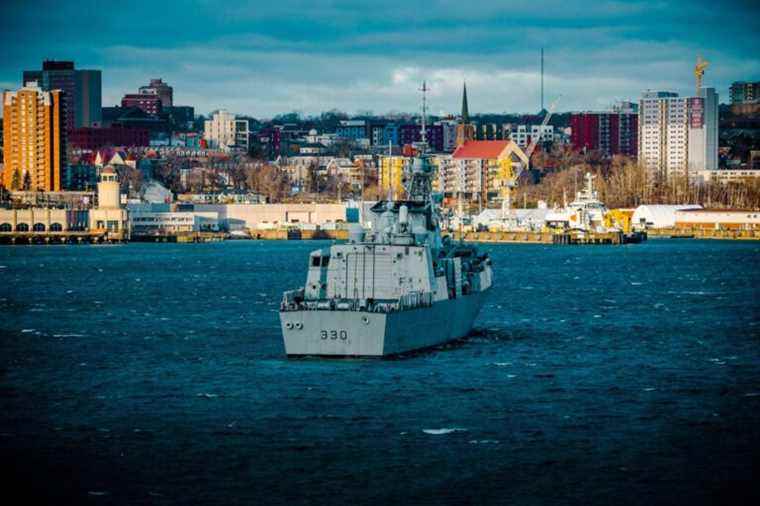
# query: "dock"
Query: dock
572,237
62,237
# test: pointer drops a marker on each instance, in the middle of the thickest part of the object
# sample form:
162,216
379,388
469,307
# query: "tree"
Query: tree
27,181
16,180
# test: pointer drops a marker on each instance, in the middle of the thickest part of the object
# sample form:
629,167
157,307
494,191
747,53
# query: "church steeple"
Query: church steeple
465,111
465,130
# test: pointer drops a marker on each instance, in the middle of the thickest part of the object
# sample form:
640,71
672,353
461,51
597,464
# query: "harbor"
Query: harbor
645,368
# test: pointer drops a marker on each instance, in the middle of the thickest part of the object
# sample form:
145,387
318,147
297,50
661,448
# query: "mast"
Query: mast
424,90
542,79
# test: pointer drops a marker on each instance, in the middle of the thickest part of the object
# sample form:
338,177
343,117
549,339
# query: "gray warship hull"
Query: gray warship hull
371,334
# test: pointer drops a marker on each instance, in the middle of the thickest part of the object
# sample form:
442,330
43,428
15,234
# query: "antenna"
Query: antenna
542,79
424,90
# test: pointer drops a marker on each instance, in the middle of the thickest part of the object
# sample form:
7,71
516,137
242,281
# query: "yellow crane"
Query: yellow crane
699,71
507,172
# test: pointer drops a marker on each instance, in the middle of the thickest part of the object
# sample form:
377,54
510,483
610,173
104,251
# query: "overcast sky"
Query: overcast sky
282,56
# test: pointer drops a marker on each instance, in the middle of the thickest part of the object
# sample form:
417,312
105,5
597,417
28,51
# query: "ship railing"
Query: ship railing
294,301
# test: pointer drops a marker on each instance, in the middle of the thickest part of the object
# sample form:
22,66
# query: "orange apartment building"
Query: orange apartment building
34,137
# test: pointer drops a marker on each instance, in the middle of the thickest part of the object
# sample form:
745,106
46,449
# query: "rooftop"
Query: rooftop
481,149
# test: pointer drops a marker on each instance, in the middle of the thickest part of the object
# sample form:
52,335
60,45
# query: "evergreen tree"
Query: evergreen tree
16,180
27,181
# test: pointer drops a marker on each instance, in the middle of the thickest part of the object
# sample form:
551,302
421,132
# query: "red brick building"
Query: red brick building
612,133
96,138
150,104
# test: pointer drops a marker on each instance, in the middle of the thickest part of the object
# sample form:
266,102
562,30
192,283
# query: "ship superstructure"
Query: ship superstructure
586,212
396,286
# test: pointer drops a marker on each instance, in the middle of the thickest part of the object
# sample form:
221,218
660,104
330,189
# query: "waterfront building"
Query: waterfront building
82,91
678,136
263,216
109,216
658,216
224,131
33,219
718,219
34,138
160,89
149,104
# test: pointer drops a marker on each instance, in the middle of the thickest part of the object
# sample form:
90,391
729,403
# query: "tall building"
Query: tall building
160,89
34,138
225,131
82,90
613,132
678,136
743,92
745,98
465,129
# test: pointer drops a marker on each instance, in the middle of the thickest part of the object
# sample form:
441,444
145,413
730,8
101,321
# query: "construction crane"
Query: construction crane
507,172
699,71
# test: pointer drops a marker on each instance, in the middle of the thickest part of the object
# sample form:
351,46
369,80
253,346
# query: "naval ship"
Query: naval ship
396,286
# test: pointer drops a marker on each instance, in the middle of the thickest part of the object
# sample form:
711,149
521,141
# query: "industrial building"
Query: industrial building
718,219
658,216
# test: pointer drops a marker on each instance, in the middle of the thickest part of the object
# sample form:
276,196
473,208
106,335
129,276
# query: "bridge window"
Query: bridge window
56,227
22,227
5,227
38,227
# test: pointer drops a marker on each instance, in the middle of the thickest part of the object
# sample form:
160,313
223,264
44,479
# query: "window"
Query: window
315,261
56,227
6,227
22,227
38,227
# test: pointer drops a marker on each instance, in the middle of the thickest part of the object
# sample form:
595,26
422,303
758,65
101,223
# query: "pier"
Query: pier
63,237
572,237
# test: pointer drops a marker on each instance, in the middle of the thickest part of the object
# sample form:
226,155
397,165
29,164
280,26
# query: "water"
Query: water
154,374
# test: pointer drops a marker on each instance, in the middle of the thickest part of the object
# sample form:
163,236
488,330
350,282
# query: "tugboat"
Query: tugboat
396,286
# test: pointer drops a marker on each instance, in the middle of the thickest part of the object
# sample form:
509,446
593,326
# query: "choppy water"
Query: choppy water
154,374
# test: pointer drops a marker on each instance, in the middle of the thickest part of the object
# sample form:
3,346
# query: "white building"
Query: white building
224,131
158,223
678,136
522,135
658,216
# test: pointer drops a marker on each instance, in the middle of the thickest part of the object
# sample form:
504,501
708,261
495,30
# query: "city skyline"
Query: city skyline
272,59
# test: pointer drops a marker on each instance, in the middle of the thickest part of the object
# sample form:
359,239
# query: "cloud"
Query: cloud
282,56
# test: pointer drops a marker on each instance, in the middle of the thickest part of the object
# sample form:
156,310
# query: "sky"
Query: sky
269,57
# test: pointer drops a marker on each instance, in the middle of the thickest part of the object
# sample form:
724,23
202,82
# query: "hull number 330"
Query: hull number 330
334,334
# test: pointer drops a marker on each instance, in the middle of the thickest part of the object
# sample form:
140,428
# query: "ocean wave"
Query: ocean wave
445,430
